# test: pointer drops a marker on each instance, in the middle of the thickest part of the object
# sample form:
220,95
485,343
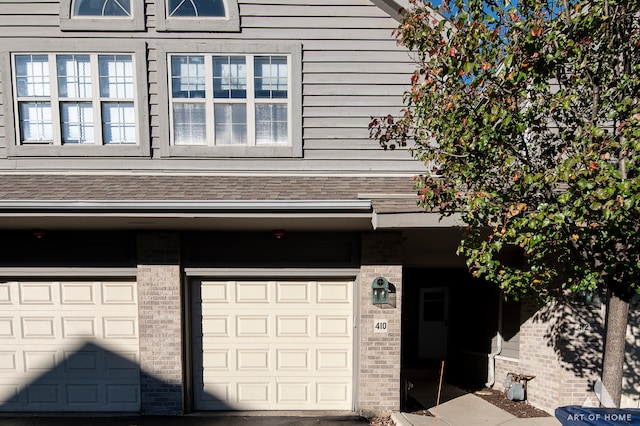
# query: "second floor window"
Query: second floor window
75,99
230,100
195,8
108,8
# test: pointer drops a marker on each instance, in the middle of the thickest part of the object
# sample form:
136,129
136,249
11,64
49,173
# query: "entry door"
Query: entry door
434,319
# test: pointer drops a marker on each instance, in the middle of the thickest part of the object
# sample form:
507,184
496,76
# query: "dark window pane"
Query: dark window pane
102,8
196,8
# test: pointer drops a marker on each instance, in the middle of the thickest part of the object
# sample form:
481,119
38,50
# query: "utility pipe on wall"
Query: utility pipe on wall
491,379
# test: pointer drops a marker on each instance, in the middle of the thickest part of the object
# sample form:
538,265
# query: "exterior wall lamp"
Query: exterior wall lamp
382,292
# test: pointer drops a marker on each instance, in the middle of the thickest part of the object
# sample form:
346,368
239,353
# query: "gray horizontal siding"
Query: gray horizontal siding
352,70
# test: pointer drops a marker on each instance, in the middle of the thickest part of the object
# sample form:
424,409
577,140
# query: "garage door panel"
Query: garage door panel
293,359
79,327
9,394
6,294
123,395
216,325
250,292
80,361
293,325
215,292
126,361
331,326
273,345
253,360
253,393
69,346
333,360
7,361
36,294
290,392
218,359
334,293
120,327
7,328
39,361
252,326
331,392
119,294
77,293
33,328
296,292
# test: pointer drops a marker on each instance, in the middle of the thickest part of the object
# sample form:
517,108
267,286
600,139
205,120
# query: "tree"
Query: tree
527,116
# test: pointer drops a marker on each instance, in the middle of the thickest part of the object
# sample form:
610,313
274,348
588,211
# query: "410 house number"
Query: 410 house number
380,325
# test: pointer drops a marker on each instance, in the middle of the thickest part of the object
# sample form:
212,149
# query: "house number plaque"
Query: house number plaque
380,325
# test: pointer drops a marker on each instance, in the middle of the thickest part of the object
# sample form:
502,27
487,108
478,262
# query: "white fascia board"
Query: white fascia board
249,206
415,220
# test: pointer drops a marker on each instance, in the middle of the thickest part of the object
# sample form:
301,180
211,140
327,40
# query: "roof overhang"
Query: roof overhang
247,215
415,220
395,8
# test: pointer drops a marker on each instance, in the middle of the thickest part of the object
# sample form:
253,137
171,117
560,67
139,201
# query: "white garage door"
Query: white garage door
273,345
69,346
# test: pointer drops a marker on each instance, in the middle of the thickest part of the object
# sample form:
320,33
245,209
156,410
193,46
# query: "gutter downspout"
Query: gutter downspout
491,379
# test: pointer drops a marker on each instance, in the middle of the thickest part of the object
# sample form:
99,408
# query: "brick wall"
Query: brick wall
561,344
379,387
631,371
160,323
503,367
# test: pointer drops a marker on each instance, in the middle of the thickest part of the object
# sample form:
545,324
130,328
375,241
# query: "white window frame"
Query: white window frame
14,146
69,22
248,50
228,23
250,100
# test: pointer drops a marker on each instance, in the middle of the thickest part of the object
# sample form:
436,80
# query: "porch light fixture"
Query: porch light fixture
380,291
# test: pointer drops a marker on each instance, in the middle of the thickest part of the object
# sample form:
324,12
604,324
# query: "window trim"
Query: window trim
229,23
292,49
138,52
135,22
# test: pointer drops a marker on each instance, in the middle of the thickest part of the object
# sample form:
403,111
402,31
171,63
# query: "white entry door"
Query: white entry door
434,323
69,346
273,344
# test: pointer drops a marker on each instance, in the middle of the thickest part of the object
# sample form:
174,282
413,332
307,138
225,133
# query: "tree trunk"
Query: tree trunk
614,350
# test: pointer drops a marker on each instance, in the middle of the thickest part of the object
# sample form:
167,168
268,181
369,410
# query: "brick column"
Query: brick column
379,388
159,300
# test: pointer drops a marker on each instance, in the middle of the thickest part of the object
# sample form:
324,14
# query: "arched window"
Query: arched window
194,8
197,15
102,8
102,15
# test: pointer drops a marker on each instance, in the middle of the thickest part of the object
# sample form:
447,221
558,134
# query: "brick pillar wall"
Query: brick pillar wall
561,344
379,387
631,371
504,367
159,300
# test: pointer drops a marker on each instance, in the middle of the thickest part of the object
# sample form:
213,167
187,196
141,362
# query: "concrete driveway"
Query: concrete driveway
189,420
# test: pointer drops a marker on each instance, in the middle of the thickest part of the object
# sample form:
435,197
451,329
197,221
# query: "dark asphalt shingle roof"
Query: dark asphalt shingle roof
211,188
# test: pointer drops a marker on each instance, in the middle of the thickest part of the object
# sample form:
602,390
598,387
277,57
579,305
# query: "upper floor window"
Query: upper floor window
101,8
230,100
68,99
87,100
102,15
197,15
193,8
